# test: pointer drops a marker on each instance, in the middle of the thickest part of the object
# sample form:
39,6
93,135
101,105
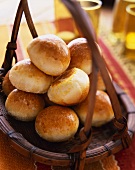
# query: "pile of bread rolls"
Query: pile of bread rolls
51,87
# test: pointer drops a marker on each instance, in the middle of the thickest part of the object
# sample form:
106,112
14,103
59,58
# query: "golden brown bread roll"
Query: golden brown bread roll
7,85
103,111
24,106
70,88
80,55
25,76
47,101
50,54
100,82
56,123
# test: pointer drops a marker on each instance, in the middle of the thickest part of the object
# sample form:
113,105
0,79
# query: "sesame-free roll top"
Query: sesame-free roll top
57,123
80,54
70,88
50,54
25,76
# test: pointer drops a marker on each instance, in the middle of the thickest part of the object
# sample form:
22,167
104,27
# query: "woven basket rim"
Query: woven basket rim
27,149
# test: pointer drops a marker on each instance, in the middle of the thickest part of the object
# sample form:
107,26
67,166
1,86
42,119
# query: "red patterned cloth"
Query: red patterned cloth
42,166
126,158
117,72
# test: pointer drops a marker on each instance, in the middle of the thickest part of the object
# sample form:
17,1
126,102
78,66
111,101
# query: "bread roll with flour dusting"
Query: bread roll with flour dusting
70,88
7,86
103,111
24,106
56,123
80,55
25,76
50,54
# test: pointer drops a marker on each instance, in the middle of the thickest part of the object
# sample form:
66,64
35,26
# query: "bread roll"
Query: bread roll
56,123
103,111
80,55
70,88
50,54
47,101
24,106
25,76
7,86
100,82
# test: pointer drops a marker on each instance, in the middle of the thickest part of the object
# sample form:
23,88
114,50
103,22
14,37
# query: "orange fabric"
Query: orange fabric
11,159
110,163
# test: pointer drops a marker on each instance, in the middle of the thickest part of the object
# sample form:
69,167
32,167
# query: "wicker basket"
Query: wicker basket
89,144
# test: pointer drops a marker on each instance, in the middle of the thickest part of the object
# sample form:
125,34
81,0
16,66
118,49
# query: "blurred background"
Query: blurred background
40,9
43,12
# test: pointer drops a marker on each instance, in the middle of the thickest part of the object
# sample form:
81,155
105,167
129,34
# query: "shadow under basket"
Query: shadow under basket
88,145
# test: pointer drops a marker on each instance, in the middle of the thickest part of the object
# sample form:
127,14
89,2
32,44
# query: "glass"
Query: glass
119,15
130,31
93,8
65,25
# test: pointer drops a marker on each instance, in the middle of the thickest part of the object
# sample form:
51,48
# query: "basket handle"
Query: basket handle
85,25
29,19
12,46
